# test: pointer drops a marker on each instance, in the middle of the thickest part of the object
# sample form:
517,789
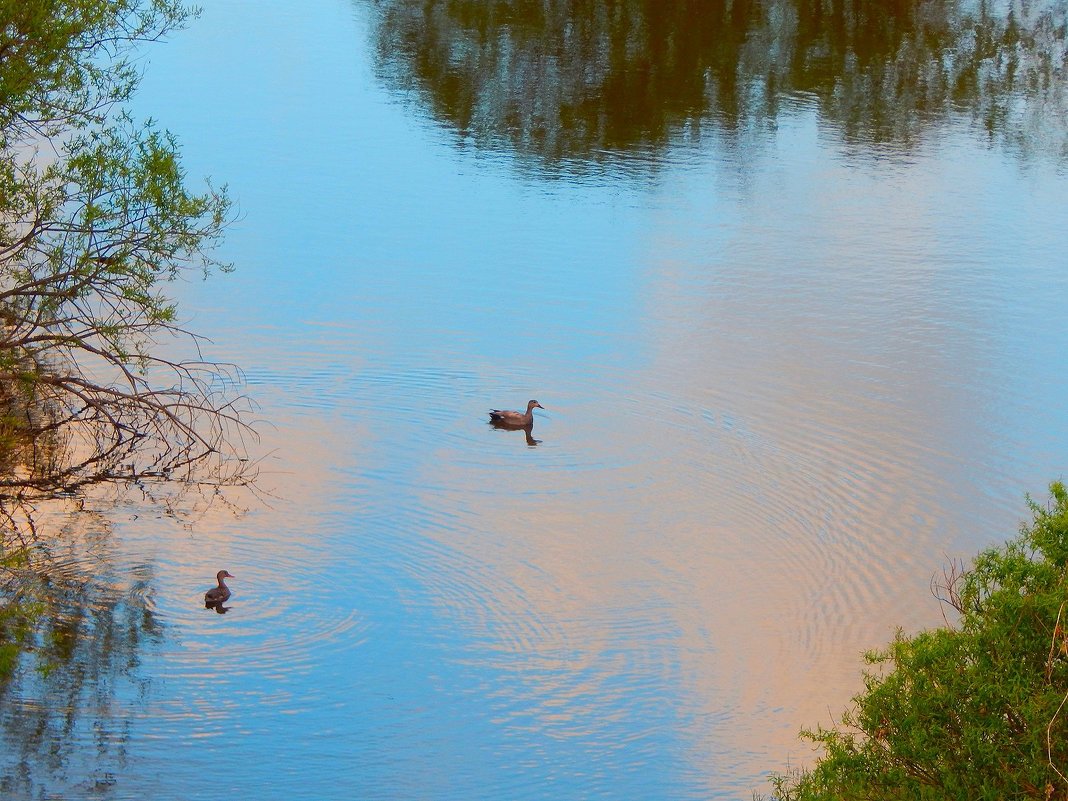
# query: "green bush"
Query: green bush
975,710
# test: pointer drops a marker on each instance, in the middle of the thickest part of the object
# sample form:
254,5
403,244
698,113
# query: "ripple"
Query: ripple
290,612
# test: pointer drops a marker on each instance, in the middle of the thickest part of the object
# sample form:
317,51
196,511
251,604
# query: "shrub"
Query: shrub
975,710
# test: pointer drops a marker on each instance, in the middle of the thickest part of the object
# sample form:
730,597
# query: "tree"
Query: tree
95,218
975,710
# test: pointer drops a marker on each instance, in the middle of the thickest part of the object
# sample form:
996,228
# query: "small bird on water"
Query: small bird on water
501,417
217,595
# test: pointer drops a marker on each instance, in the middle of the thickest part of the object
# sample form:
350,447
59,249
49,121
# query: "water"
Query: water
797,327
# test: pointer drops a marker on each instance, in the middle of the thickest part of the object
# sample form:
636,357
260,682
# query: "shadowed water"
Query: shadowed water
788,279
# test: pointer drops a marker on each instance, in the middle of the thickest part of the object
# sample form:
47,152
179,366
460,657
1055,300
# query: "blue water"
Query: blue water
789,370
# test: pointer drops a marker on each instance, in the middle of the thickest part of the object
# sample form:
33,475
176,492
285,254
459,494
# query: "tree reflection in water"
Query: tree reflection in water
84,627
587,79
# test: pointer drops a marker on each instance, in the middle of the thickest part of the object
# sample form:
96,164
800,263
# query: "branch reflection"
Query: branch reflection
73,628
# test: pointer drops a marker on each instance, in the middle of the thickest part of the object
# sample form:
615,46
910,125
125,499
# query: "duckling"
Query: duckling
217,595
515,419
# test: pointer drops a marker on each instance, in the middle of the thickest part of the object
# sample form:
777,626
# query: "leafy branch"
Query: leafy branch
96,218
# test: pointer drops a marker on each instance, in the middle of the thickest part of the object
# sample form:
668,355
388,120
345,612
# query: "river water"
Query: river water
790,282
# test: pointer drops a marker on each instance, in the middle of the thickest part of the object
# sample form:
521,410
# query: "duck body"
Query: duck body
219,594
510,419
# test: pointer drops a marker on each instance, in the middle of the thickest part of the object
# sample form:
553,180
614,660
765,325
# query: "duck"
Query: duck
501,417
217,595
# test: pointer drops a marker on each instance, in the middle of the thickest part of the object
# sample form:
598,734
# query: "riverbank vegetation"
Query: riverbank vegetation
97,217
977,709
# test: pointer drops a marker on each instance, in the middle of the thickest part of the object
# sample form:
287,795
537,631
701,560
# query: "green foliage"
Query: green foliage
65,63
975,711
96,217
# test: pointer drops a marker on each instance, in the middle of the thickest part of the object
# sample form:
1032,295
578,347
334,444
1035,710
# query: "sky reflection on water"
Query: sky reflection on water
790,364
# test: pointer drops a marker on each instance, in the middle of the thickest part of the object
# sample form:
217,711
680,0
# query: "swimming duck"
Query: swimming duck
515,419
216,595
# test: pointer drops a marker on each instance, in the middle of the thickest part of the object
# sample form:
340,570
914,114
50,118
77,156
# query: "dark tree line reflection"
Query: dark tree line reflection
561,79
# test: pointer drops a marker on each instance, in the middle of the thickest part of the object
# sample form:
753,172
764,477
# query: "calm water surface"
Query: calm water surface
790,285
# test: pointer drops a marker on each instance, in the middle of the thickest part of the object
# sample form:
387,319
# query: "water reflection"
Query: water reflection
528,431
767,416
561,80
87,625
